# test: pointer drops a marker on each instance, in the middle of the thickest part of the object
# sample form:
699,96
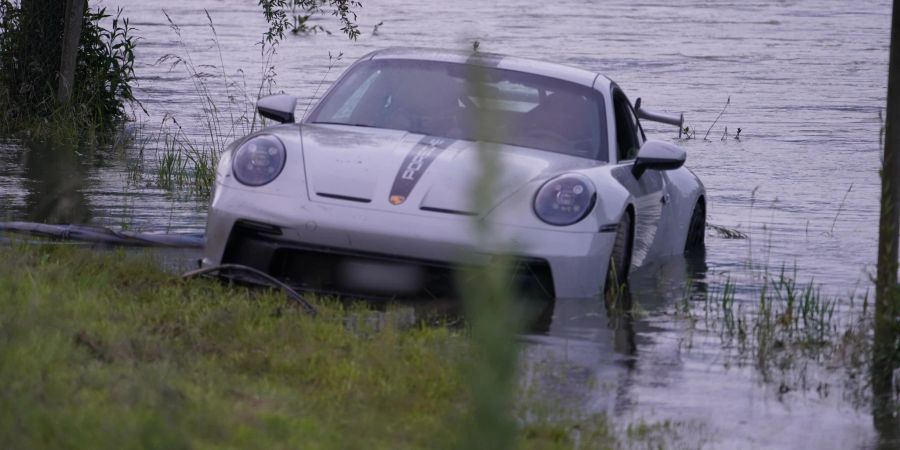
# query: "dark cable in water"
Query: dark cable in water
102,235
257,277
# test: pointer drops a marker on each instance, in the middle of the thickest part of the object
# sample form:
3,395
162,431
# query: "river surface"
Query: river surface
806,81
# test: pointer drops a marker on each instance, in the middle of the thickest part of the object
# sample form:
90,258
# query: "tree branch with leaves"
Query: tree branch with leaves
277,12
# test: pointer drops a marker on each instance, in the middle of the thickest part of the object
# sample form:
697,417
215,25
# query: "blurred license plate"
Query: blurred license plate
379,277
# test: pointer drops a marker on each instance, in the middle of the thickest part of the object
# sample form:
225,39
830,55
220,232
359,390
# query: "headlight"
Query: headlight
258,161
565,200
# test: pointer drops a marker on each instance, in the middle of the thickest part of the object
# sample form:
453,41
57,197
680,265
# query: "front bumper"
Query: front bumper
307,242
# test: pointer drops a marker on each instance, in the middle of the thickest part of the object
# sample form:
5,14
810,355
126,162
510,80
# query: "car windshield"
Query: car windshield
461,101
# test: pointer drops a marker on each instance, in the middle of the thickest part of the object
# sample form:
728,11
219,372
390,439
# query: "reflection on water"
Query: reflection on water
889,434
55,182
651,365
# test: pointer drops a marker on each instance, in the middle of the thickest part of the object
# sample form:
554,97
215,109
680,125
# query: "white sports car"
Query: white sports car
371,193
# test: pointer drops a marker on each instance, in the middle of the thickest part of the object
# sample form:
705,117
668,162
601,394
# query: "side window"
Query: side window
639,135
628,135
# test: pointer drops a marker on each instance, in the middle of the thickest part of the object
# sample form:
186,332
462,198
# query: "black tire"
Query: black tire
620,258
696,234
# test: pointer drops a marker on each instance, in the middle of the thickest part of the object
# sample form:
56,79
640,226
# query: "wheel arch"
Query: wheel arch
695,234
701,200
684,192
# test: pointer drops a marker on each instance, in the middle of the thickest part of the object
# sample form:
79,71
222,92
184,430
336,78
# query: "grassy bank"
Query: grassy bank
105,350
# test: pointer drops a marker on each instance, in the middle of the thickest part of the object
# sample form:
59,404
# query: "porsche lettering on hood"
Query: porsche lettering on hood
399,171
415,164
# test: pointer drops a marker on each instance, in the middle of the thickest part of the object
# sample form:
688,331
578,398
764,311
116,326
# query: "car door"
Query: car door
648,190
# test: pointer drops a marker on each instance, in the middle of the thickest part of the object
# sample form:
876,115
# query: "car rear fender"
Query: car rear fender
684,189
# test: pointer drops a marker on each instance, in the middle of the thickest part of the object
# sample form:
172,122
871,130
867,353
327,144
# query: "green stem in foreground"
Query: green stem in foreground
490,313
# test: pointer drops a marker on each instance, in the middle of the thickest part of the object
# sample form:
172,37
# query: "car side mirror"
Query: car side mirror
658,155
279,108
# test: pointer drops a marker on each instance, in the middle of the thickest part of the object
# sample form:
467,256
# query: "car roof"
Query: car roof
559,71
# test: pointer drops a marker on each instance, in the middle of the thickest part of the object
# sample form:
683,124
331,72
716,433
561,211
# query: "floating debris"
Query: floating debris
727,233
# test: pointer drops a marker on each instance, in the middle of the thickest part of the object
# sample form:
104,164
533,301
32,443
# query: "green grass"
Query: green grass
789,329
105,350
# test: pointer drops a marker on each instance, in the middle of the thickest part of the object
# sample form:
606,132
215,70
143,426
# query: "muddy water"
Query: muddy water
806,80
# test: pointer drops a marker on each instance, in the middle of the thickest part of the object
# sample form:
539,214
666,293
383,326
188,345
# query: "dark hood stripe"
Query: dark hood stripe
414,166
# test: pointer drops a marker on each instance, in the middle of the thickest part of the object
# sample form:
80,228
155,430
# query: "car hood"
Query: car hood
412,173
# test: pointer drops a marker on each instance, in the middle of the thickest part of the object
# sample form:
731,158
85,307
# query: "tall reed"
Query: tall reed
187,159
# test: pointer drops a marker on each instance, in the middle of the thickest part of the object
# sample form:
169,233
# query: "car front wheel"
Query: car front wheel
620,258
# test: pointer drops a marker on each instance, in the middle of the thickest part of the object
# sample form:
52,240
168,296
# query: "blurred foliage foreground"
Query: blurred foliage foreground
106,350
